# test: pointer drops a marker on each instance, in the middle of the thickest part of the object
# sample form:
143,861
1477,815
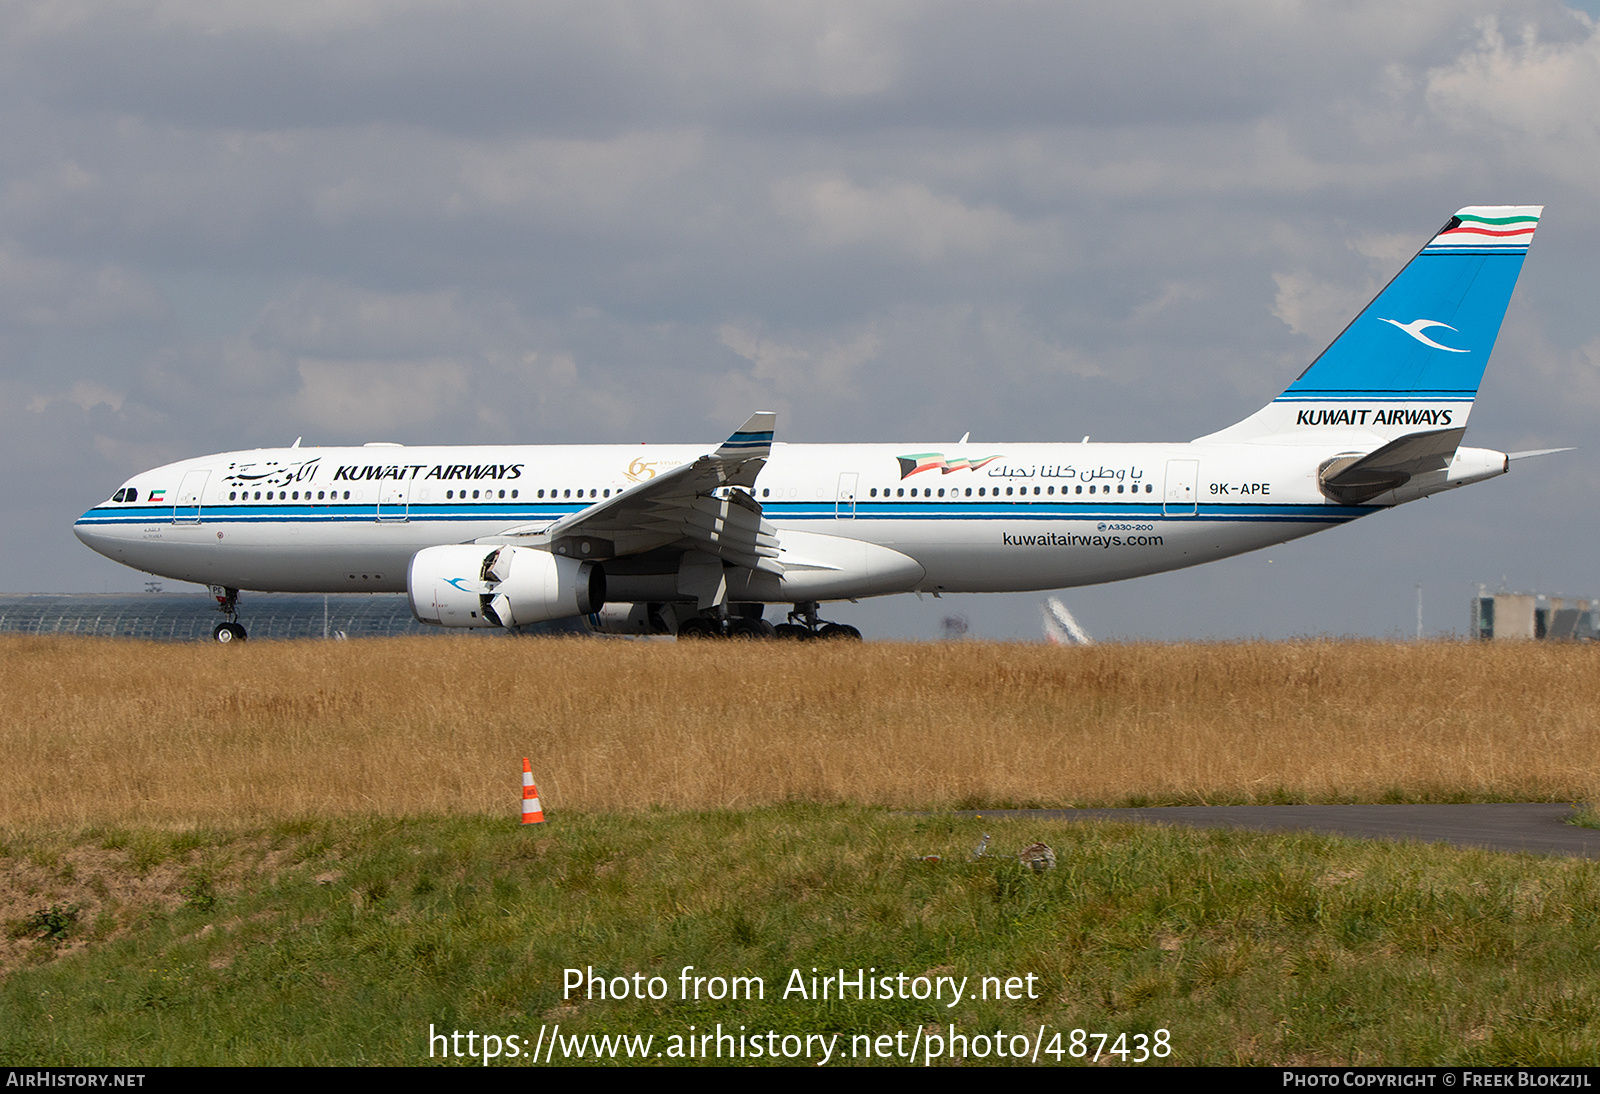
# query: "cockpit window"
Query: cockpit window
119,495
127,493
133,495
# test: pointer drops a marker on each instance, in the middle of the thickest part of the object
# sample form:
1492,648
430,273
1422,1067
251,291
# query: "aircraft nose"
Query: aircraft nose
97,537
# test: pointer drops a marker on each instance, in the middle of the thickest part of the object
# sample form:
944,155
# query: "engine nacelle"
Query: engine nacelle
463,585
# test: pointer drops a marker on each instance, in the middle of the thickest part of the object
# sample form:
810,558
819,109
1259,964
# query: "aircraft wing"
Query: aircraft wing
705,505
1351,480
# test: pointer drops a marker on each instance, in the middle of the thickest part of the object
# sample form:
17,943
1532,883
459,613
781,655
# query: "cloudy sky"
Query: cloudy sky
226,224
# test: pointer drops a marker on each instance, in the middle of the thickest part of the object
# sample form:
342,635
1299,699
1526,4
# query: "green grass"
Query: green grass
342,942
1584,815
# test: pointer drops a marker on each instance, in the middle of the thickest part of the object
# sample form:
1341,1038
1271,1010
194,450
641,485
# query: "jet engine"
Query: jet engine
462,585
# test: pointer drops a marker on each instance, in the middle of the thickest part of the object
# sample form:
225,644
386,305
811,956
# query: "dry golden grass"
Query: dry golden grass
124,733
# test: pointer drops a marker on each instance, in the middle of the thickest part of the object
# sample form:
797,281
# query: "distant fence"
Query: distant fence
170,617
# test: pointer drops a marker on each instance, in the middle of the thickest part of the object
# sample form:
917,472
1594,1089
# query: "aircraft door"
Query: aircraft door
394,499
1181,497
186,507
845,506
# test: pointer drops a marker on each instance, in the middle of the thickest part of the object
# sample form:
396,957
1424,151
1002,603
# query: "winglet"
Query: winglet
753,440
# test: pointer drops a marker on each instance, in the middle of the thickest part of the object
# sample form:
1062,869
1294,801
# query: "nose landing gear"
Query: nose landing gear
228,605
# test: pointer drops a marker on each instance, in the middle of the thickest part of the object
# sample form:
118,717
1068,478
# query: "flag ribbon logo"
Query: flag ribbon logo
929,461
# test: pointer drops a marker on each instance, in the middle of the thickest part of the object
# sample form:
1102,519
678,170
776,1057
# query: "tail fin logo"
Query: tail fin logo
1417,326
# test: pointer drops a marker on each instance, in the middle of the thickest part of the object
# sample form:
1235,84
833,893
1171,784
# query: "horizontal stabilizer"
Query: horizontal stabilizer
1354,479
1537,452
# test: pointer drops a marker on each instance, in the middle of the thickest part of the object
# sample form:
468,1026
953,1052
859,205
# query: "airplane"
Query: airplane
675,539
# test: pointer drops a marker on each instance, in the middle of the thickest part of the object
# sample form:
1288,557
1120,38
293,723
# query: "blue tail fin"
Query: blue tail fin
1414,357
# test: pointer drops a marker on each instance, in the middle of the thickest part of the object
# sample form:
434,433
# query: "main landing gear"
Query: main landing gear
804,625
228,605
705,626
744,621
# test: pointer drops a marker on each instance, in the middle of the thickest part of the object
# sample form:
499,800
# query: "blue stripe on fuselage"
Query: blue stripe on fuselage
824,510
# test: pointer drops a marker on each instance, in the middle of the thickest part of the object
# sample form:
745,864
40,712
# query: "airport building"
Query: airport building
1506,615
190,617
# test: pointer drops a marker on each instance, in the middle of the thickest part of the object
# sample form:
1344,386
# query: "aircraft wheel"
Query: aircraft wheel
699,627
792,631
839,630
749,628
225,633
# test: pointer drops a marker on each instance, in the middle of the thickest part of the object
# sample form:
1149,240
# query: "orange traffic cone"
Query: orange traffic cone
532,811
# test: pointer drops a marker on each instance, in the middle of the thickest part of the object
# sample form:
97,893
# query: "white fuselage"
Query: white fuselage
973,517
1375,420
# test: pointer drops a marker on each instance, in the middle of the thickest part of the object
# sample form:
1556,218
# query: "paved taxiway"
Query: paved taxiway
1540,827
